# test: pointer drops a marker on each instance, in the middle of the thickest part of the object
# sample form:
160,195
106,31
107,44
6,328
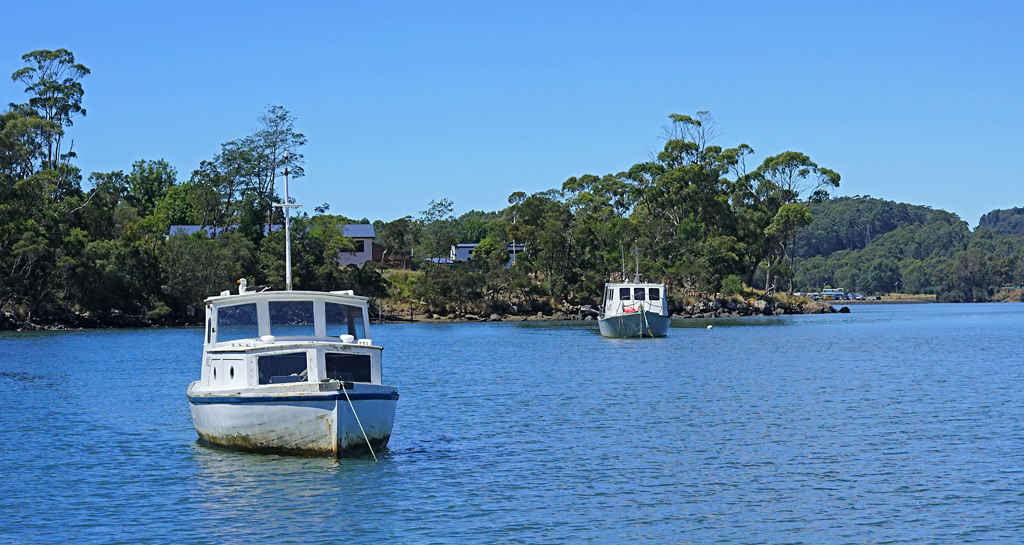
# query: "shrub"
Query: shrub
732,285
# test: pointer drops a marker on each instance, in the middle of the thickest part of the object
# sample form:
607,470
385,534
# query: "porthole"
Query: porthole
231,372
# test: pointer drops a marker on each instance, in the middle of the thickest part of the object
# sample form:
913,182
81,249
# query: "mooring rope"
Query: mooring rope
646,323
343,389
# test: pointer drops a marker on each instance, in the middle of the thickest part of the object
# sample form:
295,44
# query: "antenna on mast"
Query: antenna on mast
287,205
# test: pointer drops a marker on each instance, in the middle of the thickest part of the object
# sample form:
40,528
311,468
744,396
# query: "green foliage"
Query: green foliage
437,231
490,253
53,82
732,285
1004,222
148,184
196,267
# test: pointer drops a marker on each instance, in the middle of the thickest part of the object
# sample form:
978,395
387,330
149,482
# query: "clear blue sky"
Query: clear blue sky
403,103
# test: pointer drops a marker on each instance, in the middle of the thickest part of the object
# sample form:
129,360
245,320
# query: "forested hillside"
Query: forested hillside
914,249
851,223
1004,222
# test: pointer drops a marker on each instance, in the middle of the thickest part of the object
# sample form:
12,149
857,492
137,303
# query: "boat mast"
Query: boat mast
636,250
287,205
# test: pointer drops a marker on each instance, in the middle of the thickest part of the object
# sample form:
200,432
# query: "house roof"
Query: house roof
359,230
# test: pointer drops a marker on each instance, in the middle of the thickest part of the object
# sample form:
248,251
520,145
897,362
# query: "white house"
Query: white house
463,251
362,234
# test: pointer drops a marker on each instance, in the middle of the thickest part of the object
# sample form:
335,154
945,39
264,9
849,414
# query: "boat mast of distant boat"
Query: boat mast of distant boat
636,250
287,205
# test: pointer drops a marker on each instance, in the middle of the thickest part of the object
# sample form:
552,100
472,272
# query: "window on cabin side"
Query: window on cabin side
638,294
237,322
283,368
291,318
348,367
624,294
654,293
344,320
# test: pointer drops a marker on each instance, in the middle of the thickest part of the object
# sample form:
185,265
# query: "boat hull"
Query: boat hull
317,424
637,324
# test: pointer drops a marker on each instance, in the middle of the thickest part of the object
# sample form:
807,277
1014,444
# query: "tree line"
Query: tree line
703,218
66,249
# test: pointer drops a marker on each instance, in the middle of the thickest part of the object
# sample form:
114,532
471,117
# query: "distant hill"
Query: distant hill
1008,222
876,246
851,223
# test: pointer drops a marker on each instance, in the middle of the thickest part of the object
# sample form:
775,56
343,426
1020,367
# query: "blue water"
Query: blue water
892,424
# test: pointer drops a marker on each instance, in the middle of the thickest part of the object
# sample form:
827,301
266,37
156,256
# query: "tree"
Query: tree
792,174
196,267
490,253
437,236
255,162
53,80
23,135
398,237
148,183
790,218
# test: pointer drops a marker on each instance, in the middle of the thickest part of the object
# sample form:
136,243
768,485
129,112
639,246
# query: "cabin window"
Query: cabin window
291,318
610,294
348,367
655,294
638,294
624,294
282,368
344,320
237,322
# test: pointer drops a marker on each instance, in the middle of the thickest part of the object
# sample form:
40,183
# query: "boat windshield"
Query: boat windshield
624,294
237,322
291,318
655,294
638,294
344,320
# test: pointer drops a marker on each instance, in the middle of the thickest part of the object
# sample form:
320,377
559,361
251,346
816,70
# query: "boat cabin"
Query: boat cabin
269,339
622,299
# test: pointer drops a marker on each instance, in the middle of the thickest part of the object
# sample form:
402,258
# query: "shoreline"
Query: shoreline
704,311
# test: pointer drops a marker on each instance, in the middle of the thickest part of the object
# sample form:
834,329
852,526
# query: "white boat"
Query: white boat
291,372
636,309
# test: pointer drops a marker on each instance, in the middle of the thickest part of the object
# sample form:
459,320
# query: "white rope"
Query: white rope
343,389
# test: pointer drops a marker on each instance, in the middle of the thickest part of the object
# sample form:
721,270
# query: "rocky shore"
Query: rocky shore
71,321
702,309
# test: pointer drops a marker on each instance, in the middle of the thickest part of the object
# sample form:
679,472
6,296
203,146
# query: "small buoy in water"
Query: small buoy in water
709,326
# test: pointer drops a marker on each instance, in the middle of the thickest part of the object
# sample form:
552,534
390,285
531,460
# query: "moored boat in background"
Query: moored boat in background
635,309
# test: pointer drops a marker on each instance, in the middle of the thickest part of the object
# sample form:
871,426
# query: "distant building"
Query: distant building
463,251
363,235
